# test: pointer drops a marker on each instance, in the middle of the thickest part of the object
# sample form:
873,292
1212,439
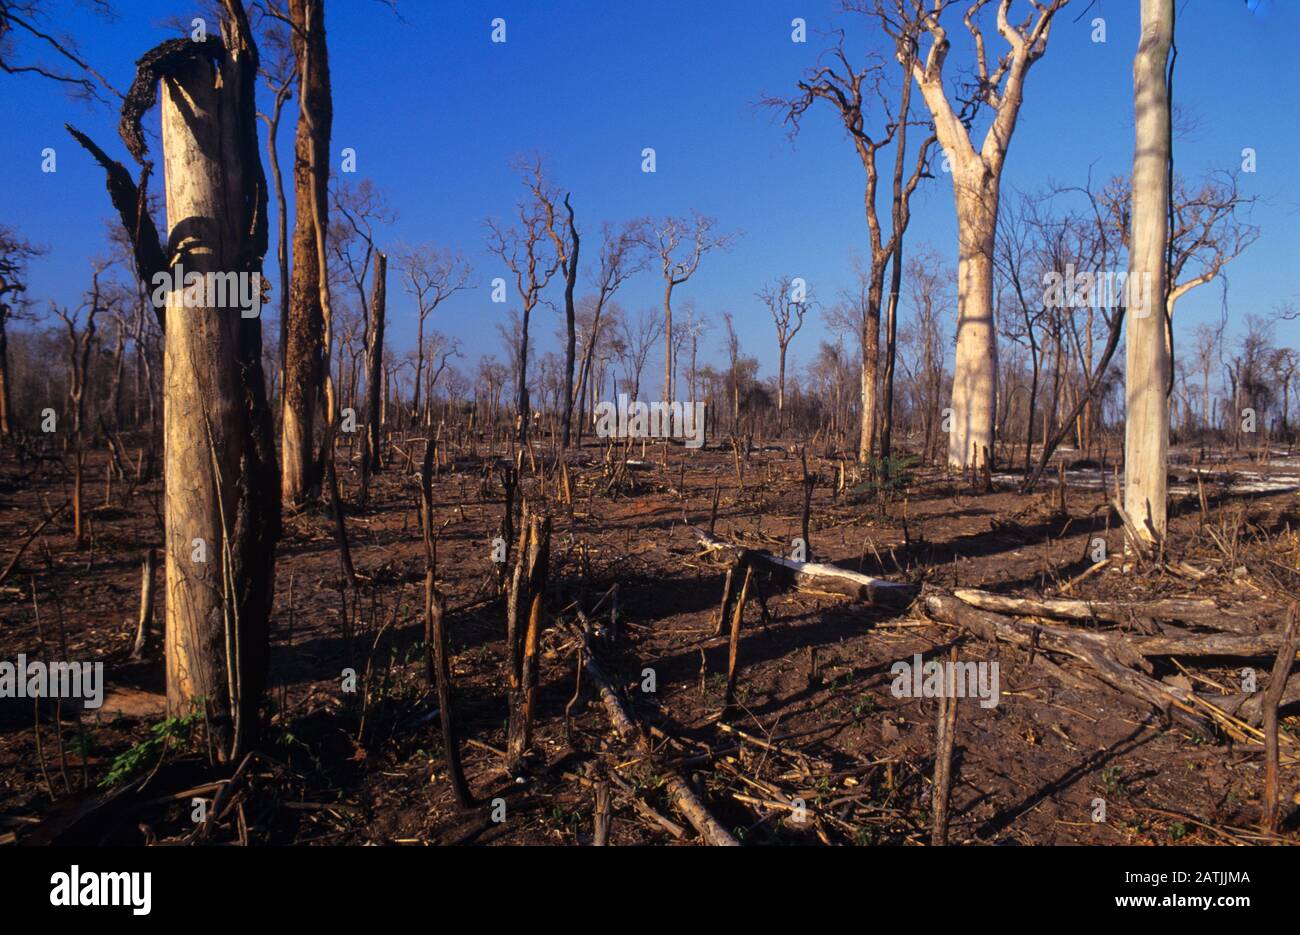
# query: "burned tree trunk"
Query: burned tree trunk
222,506
523,630
305,352
222,509
371,462
570,326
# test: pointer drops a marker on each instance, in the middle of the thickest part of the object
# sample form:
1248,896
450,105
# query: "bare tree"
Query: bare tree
976,179
81,342
930,279
358,209
567,243
681,243
637,337
222,516
788,302
733,366
530,256
279,72
854,92
25,19
622,254
15,253
1147,373
433,275
307,380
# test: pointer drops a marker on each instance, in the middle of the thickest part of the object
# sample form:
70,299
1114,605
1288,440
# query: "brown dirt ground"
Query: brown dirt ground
369,767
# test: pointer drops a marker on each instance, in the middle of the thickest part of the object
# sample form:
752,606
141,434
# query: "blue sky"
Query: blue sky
435,111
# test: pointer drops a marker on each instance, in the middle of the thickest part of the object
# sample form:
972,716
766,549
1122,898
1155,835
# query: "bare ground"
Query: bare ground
817,721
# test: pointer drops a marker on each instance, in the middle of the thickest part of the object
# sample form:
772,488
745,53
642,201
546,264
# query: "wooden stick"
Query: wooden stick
683,796
945,734
436,611
1198,610
1276,684
733,653
601,836
146,604
1110,657
36,531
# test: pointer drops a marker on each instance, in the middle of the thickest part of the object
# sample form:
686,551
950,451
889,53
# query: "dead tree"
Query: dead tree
372,460
567,243
523,631
14,256
222,516
145,623
788,304
681,243
622,253
1147,372
306,349
437,644
359,208
528,254
81,341
854,93
278,73
433,275
976,179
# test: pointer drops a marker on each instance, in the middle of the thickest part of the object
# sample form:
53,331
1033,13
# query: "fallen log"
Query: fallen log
683,796
817,578
1202,611
1250,707
1109,656
1209,644
1276,686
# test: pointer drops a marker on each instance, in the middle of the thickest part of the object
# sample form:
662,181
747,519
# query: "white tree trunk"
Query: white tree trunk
1146,430
201,394
974,385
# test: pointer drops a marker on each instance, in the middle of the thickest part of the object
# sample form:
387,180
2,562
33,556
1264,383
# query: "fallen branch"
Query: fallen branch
683,796
1195,610
1109,656
816,578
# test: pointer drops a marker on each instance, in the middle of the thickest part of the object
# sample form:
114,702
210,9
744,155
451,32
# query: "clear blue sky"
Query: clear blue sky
435,111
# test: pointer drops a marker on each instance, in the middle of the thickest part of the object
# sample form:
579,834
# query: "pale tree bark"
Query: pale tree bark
1146,424
222,507
976,178
278,75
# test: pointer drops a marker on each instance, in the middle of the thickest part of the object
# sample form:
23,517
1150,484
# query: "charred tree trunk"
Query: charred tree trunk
523,630
222,516
371,460
571,333
304,348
